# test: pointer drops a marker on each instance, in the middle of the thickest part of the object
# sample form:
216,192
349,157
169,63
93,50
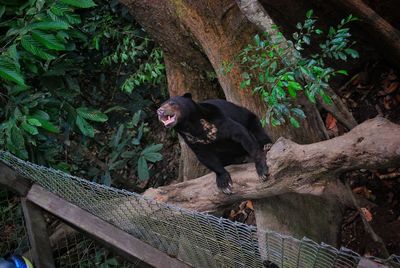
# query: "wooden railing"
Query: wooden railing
35,200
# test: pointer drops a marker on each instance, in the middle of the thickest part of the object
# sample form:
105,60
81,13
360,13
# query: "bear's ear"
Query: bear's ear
187,95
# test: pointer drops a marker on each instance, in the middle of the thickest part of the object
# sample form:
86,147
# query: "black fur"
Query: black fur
220,133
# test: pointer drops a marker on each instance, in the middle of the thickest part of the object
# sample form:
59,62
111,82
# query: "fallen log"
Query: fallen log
310,169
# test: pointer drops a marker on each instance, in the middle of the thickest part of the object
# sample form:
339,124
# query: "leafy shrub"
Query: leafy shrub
278,75
54,96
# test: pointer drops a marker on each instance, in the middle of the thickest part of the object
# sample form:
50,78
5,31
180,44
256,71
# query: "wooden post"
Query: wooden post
12,181
38,236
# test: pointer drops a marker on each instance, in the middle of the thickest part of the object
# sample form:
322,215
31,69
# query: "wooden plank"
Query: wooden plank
12,181
110,236
38,236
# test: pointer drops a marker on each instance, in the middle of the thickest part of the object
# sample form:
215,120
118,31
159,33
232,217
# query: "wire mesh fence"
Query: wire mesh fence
199,239
13,235
71,248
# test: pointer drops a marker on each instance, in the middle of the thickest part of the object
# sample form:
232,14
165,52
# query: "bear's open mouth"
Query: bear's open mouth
168,120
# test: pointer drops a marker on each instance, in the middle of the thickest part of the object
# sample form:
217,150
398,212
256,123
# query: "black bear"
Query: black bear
219,133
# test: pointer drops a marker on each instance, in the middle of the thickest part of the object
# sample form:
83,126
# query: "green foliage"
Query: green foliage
133,48
278,75
126,148
53,64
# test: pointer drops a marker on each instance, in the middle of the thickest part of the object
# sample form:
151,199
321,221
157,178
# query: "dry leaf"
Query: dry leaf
389,103
367,214
392,87
249,205
362,190
330,122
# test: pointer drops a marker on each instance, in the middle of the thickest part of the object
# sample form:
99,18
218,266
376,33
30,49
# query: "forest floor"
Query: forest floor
370,92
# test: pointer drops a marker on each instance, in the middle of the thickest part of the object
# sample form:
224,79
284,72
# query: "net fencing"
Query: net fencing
199,239
70,248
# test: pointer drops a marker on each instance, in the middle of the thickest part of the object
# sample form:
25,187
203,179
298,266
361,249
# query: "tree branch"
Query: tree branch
305,169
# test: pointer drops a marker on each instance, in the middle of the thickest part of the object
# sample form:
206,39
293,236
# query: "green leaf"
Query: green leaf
118,164
275,122
12,75
49,25
2,10
17,138
344,72
257,39
309,13
298,112
59,9
153,157
39,114
79,3
244,84
326,98
136,118
294,122
293,87
48,40
34,122
84,127
273,66
310,95
306,39
128,154
117,136
29,128
351,52
92,114
47,125
143,169
35,48
152,149
342,56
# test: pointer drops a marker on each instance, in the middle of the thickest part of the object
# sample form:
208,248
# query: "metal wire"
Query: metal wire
199,239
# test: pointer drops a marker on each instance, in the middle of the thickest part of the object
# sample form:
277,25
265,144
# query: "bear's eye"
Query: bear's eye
172,103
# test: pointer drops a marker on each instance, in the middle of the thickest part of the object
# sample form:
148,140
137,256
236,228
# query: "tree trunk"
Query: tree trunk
202,36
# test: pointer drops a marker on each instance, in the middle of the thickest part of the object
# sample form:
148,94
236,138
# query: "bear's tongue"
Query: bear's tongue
169,120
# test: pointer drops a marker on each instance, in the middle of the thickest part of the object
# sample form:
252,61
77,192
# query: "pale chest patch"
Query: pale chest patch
210,130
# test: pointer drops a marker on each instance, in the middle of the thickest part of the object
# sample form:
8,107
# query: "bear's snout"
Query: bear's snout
160,112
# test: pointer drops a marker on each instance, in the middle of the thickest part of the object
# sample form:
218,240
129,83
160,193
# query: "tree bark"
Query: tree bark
306,170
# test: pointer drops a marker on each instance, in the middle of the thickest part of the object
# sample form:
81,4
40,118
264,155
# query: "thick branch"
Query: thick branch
294,168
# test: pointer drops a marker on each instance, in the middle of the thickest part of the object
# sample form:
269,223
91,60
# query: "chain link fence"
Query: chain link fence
71,249
199,239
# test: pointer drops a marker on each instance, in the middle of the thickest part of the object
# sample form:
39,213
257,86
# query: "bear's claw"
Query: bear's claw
263,178
227,190
224,183
262,171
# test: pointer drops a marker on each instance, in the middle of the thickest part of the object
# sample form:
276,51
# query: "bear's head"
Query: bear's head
176,110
